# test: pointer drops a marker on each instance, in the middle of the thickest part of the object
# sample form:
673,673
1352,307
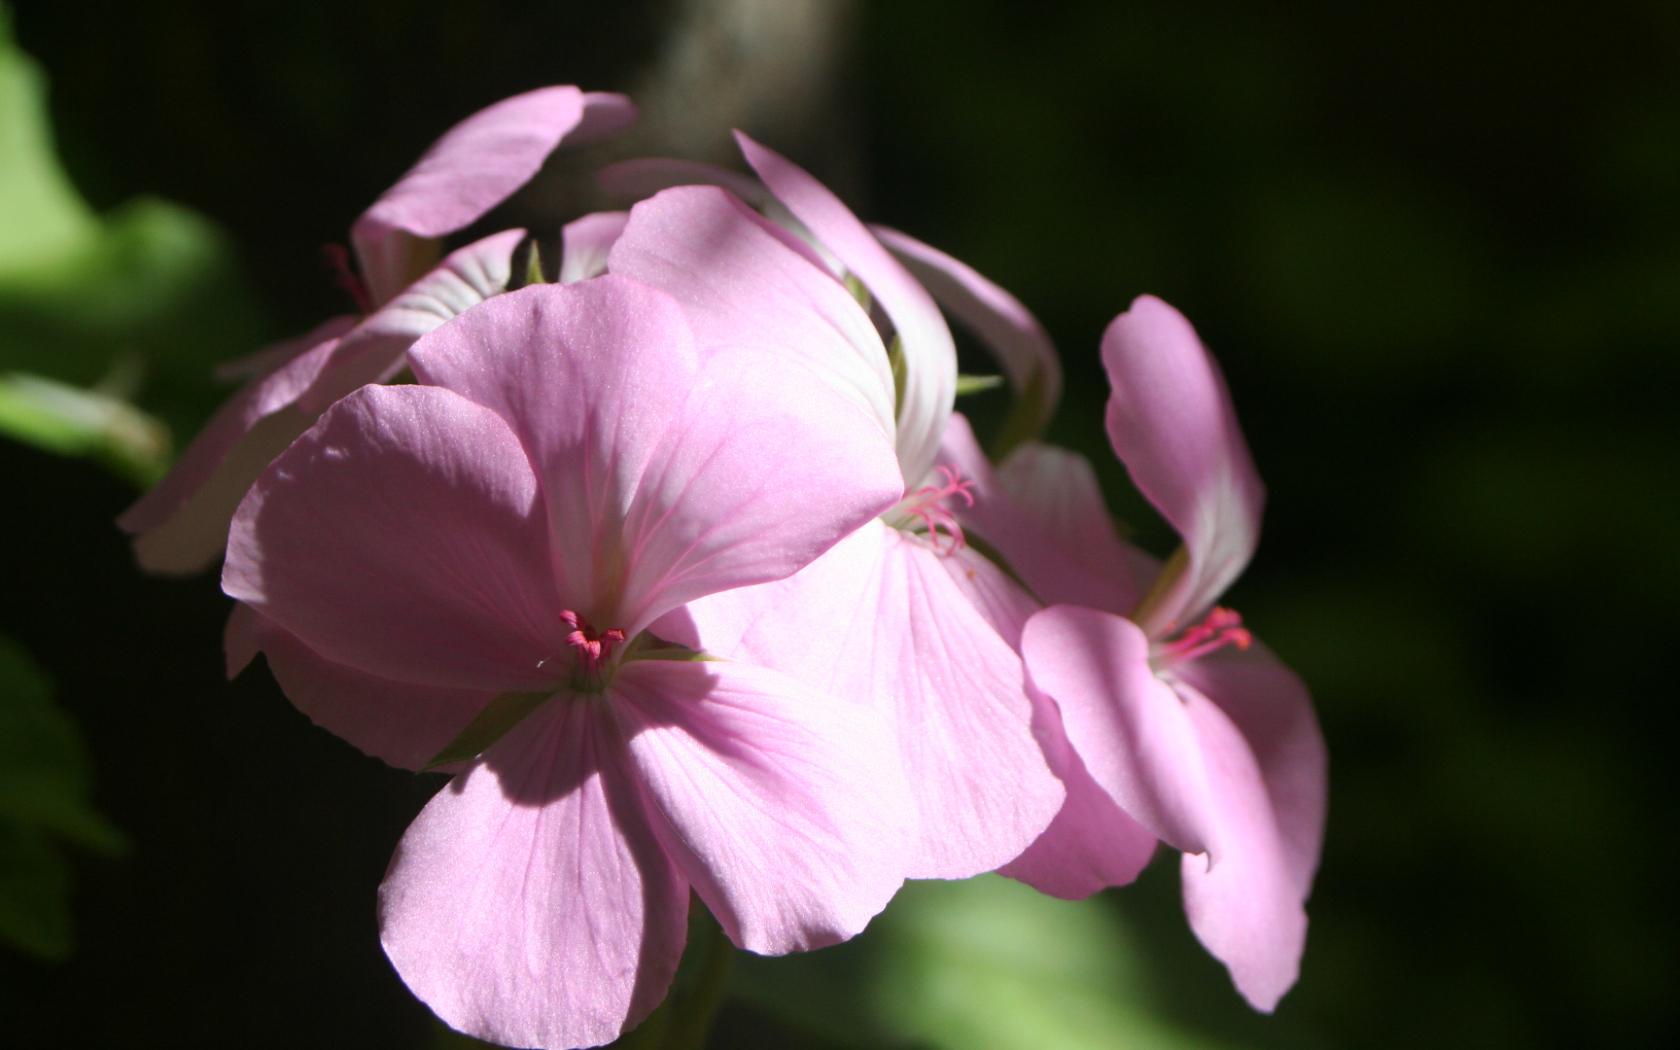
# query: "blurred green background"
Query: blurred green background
1437,249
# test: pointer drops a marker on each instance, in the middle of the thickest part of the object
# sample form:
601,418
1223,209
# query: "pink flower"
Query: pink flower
887,615
572,469
1163,715
181,524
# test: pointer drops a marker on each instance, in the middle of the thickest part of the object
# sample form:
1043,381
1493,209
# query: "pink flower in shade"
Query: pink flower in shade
572,468
1166,719
404,291
886,615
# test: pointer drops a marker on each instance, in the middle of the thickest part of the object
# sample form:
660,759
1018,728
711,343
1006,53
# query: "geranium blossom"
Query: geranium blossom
887,614
1165,717
571,469
403,291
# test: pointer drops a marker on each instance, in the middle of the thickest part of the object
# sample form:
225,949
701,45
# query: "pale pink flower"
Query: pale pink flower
572,468
404,291
1165,718
886,615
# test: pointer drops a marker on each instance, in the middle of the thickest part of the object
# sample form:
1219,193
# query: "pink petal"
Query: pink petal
1245,908
589,376
818,625
475,166
585,243
1044,515
742,285
530,904
992,593
374,351
930,358
985,789
1127,726
662,483
1092,844
1057,489
1270,706
402,537
879,619
403,723
1002,322
241,639
605,114
641,177
1171,423
180,526
767,467
782,806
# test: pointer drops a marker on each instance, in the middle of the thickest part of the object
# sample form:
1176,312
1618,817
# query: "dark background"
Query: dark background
1437,251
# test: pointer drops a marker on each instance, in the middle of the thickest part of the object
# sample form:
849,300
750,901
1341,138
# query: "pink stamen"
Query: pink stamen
594,648
338,264
927,505
1220,628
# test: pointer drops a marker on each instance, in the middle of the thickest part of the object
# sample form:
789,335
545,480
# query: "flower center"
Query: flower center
929,506
1220,628
591,648
338,264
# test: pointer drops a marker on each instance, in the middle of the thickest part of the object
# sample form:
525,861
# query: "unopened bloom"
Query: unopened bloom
570,469
402,291
1165,717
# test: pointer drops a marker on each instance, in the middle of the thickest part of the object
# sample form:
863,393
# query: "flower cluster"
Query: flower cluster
679,559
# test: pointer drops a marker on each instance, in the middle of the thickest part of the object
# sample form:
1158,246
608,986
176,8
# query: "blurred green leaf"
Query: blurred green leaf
41,215
43,795
34,894
76,422
130,306
987,962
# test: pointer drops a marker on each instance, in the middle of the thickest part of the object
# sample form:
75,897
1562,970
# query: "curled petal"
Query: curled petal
1171,423
1092,844
1002,322
585,243
181,525
530,903
782,806
1269,705
1246,908
374,351
1128,727
475,166
930,357
640,177
402,537
742,284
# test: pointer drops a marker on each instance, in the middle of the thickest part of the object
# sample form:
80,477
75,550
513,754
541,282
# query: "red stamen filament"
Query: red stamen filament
338,264
1221,627
927,505
594,648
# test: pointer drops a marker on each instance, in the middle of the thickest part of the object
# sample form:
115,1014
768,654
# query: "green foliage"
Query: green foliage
987,962
97,311
43,799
